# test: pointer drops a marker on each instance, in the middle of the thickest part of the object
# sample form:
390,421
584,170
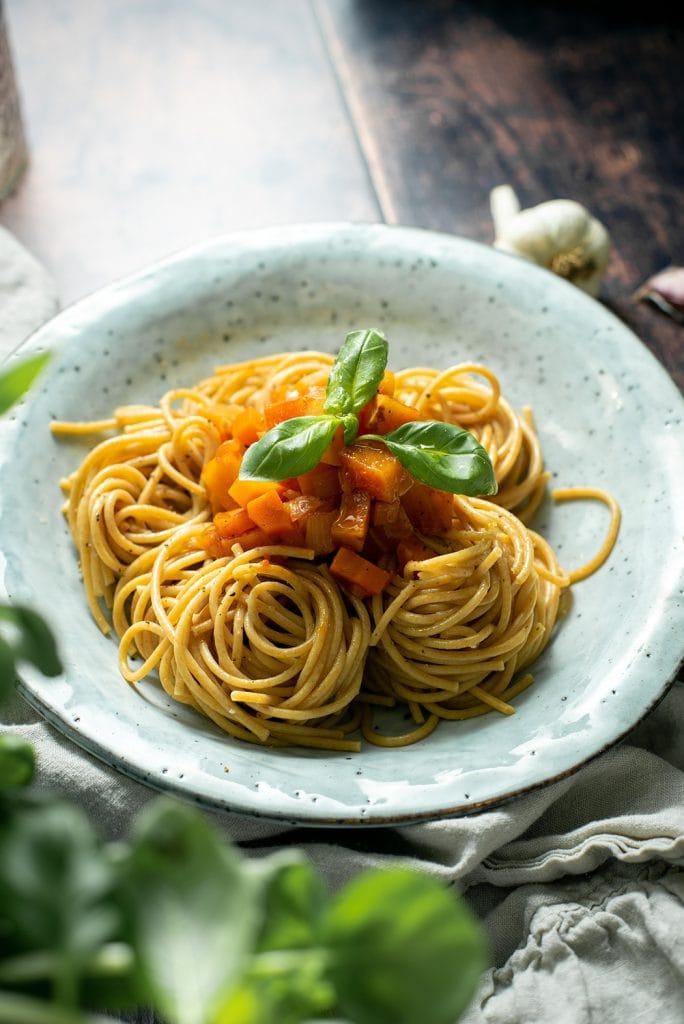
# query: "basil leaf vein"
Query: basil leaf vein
356,373
289,449
444,456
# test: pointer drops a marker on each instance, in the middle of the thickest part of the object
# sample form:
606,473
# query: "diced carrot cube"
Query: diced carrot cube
431,511
294,535
412,550
372,468
244,491
255,538
357,573
385,512
385,413
400,527
222,416
213,543
386,385
233,523
248,425
268,512
351,526
319,532
321,482
331,455
309,404
220,473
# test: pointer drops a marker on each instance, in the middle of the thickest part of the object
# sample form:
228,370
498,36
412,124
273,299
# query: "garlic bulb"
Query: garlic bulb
560,235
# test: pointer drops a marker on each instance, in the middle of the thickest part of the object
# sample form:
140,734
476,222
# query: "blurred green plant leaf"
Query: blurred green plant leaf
54,883
280,989
7,670
402,950
293,901
17,761
15,381
192,908
28,638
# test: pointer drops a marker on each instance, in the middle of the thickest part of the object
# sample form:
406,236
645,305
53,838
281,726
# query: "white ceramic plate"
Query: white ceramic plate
606,411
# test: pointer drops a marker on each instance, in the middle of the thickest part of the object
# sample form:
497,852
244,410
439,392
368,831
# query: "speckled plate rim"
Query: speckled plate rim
426,245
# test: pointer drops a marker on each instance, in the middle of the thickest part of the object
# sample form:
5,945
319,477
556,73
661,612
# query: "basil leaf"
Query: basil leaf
55,885
289,992
293,898
17,761
19,378
402,949
291,448
192,909
443,456
350,425
29,638
356,373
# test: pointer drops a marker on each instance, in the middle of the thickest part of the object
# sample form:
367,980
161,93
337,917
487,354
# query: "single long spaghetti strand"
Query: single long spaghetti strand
593,494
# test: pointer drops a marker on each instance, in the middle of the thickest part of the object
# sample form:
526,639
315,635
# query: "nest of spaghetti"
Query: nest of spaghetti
452,634
267,633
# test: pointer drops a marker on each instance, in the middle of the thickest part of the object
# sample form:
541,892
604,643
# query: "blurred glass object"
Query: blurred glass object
13,151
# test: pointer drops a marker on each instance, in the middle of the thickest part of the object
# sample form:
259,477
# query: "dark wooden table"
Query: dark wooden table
155,124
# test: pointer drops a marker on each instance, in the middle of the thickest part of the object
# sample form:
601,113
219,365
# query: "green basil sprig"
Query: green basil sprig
436,453
356,373
442,455
291,448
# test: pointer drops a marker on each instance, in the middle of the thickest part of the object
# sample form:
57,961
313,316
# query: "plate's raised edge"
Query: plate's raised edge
167,786
284,235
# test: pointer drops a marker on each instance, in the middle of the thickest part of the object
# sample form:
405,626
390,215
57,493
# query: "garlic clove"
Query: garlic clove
560,235
666,291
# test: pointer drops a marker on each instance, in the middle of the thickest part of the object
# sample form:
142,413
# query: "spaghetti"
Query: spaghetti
258,632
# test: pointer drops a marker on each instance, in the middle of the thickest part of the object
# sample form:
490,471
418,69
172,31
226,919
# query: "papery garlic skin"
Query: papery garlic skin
560,235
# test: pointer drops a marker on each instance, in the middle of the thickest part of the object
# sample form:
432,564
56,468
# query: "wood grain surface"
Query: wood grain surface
451,99
156,124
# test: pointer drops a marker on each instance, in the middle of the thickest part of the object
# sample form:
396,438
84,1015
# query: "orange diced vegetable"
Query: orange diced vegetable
385,512
331,455
309,404
413,550
386,385
372,468
233,523
295,535
222,415
268,512
385,413
321,482
248,425
431,511
400,527
351,526
301,507
319,532
212,542
255,538
360,575
244,491
220,473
